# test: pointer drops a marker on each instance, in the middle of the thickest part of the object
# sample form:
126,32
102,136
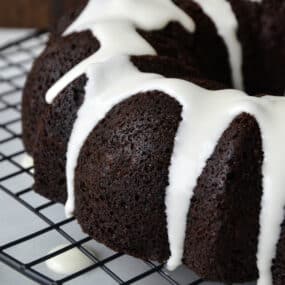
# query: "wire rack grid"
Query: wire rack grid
31,225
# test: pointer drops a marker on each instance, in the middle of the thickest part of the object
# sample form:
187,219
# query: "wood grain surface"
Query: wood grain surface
32,13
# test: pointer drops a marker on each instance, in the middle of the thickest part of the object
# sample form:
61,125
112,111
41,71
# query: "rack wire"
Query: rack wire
16,181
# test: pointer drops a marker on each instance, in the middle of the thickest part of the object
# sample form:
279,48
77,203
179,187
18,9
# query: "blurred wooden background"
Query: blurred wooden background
32,13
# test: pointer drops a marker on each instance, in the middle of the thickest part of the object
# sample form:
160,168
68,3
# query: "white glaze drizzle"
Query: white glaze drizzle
212,111
114,23
148,15
27,161
222,15
116,79
68,262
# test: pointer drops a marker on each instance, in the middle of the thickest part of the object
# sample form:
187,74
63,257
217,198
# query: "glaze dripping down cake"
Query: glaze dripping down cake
150,120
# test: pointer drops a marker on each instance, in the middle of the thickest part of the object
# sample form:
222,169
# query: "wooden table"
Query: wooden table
32,13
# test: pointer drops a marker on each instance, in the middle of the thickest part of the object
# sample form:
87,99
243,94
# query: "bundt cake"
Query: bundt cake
149,119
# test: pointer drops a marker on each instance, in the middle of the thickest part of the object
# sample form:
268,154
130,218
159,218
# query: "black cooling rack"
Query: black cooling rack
15,62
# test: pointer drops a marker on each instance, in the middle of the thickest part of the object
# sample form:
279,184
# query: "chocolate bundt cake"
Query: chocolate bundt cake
149,119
